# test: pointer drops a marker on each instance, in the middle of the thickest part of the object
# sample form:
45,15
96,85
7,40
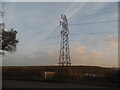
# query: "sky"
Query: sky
93,31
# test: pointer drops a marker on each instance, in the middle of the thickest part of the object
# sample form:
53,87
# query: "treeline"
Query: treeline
74,74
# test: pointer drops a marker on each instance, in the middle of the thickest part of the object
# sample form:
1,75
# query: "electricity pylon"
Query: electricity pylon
64,58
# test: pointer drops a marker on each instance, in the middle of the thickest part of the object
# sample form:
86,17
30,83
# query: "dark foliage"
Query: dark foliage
9,40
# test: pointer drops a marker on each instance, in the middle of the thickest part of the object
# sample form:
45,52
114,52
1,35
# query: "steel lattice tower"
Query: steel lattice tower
64,58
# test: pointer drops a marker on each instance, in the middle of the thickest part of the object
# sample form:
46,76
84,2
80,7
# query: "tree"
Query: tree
8,40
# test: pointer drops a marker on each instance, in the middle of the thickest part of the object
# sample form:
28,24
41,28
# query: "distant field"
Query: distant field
74,74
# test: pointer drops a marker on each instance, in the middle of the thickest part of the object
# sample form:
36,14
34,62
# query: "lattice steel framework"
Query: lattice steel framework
64,58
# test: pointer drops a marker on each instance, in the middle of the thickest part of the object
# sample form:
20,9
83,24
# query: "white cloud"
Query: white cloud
80,54
79,49
73,9
111,43
31,51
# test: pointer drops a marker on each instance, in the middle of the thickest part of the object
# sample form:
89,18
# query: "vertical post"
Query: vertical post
45,75
1,53
64,58
2,27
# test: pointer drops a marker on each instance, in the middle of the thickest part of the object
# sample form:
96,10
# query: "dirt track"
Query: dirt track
32,84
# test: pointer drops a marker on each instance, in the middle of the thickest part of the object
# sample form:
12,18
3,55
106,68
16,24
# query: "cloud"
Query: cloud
50,52
74,8
95,55
111,43
80,54
114,44
86,54
31,49
79,49
83,53
31,59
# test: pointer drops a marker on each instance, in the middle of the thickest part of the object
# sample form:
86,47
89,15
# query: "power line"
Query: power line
54,37
39,25
51,44
101,33
92,40
43,24
103,12
93,22
94,33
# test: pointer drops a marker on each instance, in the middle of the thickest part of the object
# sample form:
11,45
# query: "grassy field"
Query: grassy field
74,74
